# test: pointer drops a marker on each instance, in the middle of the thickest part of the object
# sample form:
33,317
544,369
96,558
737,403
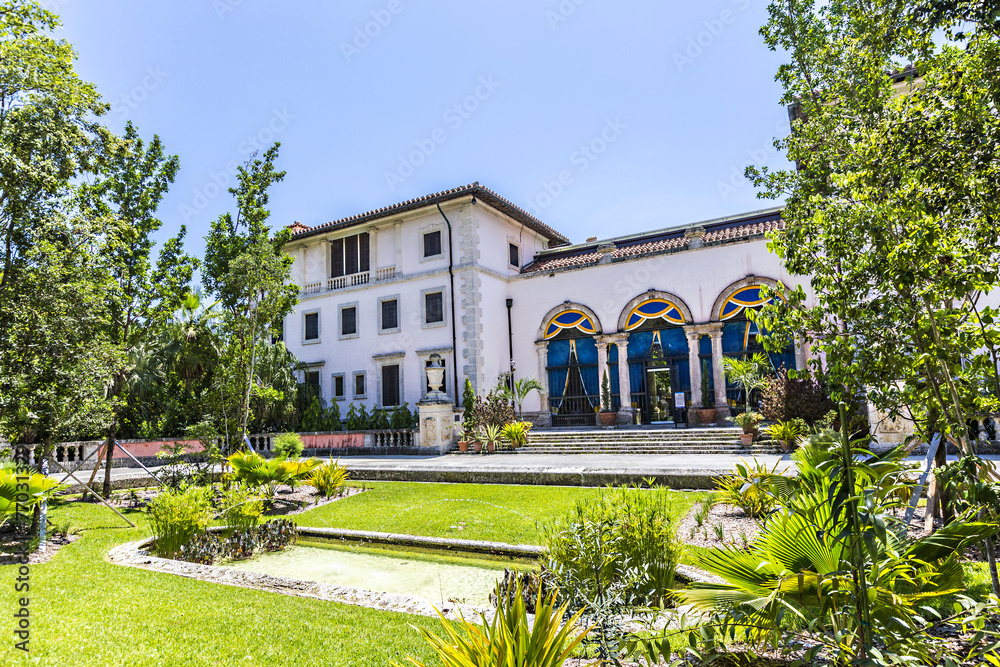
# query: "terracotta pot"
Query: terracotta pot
491,447
606,418
478,446
746,439
786,445
463,445
706,415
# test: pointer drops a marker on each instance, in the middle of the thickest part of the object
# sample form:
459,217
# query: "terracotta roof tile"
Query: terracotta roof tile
475,189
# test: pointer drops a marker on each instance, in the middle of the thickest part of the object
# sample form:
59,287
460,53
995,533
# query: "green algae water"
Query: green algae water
433,575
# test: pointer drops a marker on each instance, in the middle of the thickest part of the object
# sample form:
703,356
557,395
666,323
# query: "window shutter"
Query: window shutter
351,254
364,249
337,258
390,385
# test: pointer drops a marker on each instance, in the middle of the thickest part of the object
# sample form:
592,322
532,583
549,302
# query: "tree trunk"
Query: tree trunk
991,557
109,455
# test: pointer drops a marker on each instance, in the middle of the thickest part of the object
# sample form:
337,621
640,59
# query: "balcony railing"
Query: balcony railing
352,280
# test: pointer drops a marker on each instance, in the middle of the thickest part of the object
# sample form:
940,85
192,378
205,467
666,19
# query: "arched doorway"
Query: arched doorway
657,359
572,368
742,338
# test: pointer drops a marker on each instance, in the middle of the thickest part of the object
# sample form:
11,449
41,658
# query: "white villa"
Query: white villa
466,275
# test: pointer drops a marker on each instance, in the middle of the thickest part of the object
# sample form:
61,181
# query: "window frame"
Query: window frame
361,259
333,387
398,365
382,329
430,229
423,307
340,321
319,327
354,384
513,247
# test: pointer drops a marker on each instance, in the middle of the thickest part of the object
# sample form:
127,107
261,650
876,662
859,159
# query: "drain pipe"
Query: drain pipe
451,277
510,344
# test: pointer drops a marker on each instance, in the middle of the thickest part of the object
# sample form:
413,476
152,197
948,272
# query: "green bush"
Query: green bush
508,640
329,479
288,445
622,542
240,508
176,516
748,489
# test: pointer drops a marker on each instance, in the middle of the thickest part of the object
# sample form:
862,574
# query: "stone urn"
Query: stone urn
435,375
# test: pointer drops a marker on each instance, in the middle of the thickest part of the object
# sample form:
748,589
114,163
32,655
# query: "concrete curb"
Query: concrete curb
694,479
445,543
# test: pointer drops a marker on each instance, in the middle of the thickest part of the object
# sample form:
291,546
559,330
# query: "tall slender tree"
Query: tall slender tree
247,270
131,181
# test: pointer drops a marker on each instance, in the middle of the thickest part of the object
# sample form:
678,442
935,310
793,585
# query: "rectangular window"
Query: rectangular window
514,254
390,385
348,321
359,385
312,381
312,326
390,314
432,244
350,255
338,386
434,307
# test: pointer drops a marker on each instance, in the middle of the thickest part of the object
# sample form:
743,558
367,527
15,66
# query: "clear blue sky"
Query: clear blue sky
670,100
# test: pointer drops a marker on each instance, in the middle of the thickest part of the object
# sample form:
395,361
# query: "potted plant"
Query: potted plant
516,433
492,434
606,417
786,433
750,373
748,422
706,413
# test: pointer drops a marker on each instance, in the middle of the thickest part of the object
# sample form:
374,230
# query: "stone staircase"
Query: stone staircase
641,441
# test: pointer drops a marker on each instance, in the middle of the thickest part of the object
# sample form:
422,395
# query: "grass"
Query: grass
489,512
86,612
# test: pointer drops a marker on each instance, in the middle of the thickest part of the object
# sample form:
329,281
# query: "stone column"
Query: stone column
694,364
602,360
801,356
625,412
544,416
373,251
721,404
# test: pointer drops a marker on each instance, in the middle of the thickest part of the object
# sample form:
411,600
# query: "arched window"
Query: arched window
742,338
657,356
574,387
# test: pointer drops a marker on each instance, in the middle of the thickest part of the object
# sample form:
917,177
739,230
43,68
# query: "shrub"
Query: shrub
748,489
176,516
748,421
623,542
784,398
494,410
516,433
507,640
328,479
788,431
288,445
239,507
39,487
257,472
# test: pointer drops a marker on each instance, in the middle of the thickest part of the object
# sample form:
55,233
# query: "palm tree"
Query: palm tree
518,391
750,372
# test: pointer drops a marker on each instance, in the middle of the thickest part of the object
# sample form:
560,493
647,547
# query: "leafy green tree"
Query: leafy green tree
47,128
249,272
893,206
131,181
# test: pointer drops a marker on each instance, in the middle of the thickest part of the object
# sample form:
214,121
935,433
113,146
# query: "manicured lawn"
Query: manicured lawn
86,612
489,512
